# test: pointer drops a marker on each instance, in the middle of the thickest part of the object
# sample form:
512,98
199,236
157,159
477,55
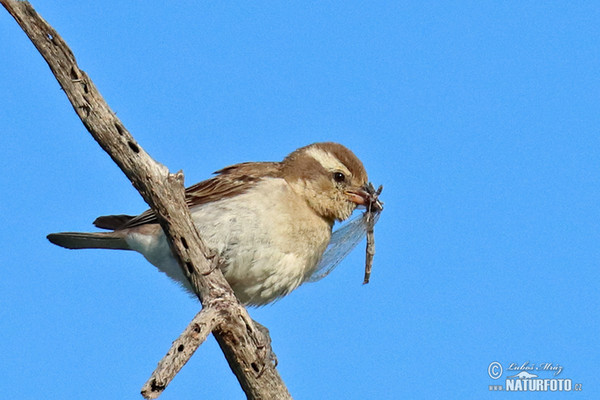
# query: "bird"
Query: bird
269,222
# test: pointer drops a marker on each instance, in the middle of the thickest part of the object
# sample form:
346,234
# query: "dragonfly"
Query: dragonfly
348,235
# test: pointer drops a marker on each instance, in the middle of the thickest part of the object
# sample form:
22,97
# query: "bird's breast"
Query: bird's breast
269,238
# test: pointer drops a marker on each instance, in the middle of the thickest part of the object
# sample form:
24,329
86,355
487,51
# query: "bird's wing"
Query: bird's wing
229,181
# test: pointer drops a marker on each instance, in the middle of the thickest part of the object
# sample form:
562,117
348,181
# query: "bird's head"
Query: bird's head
330,177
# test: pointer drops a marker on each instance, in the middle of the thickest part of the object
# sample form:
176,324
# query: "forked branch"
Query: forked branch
241,342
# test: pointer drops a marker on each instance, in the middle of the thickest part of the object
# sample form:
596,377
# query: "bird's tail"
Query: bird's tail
89,240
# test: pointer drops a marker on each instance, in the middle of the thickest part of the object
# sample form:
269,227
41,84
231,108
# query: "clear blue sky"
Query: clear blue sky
481,119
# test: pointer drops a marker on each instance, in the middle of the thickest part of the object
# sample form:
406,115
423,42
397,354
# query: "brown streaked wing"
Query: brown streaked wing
230,181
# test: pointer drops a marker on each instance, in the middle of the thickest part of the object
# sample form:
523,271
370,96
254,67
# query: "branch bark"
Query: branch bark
180,352
247,350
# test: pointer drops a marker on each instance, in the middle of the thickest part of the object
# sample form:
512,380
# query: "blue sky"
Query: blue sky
479,118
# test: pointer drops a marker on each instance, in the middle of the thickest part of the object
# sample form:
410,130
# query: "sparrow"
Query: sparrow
269,222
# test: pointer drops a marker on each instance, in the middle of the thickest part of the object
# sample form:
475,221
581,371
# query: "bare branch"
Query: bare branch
243,345
180,352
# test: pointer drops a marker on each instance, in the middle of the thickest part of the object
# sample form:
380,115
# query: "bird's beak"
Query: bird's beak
359,196
365,196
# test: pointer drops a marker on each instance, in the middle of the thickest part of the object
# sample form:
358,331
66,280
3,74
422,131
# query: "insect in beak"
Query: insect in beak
344,239
366,196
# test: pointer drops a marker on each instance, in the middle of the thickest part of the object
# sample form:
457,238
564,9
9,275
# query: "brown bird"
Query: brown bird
269,222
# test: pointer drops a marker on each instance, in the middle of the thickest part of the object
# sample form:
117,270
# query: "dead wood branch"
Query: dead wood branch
242,344
180,352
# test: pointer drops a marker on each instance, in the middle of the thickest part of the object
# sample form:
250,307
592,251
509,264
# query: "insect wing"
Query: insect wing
343,240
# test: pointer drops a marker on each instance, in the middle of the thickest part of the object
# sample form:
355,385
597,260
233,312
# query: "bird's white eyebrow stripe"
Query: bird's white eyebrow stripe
327,160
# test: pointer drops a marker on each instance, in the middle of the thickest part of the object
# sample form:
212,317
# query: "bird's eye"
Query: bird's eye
339,177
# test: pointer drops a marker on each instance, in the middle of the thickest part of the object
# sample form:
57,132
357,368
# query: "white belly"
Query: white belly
268,252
